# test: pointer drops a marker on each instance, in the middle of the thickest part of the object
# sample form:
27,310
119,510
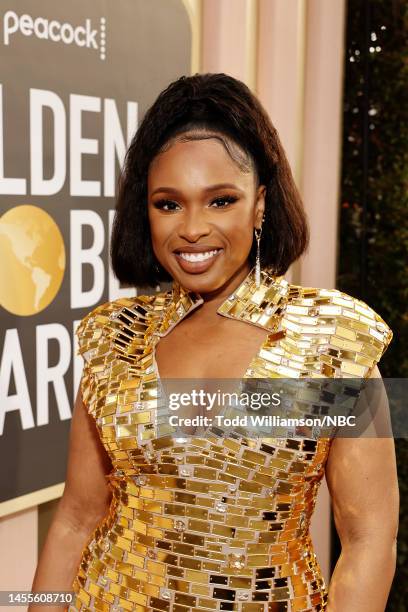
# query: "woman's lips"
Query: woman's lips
196,267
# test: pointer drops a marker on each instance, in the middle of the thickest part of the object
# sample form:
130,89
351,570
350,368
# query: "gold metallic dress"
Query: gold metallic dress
212,522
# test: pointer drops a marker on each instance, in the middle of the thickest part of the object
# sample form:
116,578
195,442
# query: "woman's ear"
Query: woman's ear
259,206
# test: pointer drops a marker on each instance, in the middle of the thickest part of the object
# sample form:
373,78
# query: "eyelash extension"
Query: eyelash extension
228,199
161,203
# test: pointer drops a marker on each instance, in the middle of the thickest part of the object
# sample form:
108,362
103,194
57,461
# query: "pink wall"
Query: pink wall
18,551
322,137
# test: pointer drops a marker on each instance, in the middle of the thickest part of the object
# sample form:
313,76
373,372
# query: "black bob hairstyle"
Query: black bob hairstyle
224,105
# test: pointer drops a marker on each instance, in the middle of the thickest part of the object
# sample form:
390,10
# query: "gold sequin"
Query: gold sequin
212,523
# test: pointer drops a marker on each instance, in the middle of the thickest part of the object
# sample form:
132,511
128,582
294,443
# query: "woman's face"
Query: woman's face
203,209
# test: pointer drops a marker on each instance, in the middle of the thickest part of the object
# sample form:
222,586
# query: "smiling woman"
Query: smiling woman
210,517
206,144
202,220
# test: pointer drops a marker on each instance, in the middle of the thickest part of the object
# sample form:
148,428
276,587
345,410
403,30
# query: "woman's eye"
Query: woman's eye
170,205
224,201
165,204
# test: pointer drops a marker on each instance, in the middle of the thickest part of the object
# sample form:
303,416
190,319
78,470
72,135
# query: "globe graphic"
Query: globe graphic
33,260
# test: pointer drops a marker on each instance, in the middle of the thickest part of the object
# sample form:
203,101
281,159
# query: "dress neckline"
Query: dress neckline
261,306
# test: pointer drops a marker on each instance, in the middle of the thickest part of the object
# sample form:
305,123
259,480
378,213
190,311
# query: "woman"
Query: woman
211,522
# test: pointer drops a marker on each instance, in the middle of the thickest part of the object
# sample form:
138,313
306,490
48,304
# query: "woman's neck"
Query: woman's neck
213,299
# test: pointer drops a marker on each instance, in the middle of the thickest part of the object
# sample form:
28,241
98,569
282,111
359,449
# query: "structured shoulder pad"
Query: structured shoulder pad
90,329
93,330
96,333
102,327
360,335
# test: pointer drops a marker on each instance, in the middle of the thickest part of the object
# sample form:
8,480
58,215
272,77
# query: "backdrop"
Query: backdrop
75,78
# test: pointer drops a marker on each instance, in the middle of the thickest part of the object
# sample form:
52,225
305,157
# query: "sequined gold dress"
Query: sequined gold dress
212,523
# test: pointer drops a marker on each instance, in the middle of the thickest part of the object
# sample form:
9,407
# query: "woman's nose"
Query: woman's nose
194,226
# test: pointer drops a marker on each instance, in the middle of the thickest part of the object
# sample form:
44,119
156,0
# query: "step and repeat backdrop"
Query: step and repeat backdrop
75,80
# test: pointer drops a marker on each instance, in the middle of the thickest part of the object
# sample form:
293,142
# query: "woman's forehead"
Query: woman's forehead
198,161
206,146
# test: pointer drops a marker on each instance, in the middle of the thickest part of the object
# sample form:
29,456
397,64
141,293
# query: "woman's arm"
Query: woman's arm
361,476
83,505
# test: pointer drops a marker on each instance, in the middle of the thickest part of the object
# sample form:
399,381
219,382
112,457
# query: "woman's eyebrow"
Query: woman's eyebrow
208,189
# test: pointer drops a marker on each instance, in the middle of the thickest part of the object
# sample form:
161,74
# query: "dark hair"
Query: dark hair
226,105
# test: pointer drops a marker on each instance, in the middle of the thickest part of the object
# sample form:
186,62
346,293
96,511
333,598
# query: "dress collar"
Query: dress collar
262,306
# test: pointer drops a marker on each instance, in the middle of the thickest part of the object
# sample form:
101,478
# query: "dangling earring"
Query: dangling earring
258,257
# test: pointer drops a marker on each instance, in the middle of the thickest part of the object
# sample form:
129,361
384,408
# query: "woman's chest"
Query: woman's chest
224,351
133,417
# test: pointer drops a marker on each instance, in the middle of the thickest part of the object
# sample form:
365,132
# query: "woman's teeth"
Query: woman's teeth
198,256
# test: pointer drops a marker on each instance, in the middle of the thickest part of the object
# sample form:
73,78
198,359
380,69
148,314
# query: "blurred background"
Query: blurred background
333,77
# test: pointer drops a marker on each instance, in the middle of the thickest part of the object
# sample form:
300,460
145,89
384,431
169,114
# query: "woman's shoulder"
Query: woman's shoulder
341,305
352,325
93,329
